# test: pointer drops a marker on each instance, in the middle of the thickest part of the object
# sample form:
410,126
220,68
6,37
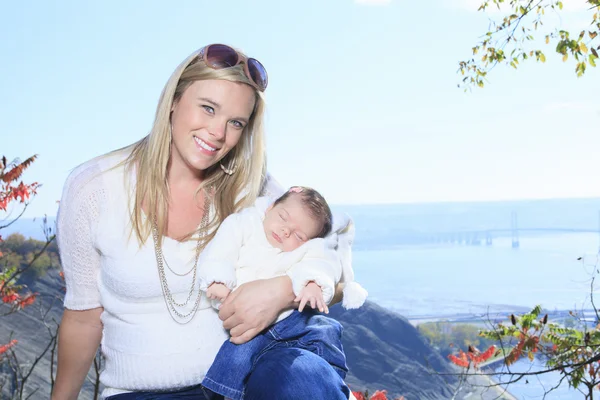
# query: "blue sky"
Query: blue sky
362,97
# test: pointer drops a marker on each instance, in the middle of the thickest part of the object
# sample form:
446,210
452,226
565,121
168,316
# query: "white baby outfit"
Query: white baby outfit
240,253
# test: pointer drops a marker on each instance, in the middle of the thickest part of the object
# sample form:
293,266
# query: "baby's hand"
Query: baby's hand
217,291
312,293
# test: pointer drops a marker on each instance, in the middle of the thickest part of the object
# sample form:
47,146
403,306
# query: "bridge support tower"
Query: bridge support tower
514,230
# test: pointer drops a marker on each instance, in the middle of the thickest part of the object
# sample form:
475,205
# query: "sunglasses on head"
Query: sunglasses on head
219,56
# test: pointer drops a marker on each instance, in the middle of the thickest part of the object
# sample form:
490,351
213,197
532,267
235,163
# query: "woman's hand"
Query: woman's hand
338,296
253,306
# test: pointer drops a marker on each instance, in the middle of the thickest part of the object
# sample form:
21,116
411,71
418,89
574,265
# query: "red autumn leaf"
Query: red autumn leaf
379,395
28,300
17,170
10,297
21,191
4,203
486,355
461,361
359,395
514,354
6,347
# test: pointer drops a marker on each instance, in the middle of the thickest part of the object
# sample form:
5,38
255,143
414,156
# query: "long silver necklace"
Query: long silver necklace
175,272
160,260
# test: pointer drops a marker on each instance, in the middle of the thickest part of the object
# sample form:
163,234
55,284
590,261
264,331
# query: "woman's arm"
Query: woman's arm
338,296
255,305
78,340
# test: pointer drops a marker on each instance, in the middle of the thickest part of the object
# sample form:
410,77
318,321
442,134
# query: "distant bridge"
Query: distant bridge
567,230
478,236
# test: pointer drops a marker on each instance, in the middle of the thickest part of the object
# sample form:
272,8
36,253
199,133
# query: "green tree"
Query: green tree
33,257
447,336
574,353
13,243
520,33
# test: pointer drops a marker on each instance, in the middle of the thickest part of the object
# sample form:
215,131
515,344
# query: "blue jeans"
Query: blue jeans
300,357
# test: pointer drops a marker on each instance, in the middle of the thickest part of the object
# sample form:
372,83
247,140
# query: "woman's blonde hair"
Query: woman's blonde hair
149,158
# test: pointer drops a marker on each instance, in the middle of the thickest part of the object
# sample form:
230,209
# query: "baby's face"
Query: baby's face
289,224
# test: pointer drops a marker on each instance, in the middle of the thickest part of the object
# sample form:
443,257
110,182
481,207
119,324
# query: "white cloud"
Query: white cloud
373,2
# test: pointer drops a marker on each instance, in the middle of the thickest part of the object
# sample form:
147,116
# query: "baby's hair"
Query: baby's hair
316,205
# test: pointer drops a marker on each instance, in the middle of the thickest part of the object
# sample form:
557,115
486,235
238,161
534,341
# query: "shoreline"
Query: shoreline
493,392
479,318
479,386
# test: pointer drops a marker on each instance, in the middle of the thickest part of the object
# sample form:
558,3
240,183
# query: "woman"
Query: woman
131,226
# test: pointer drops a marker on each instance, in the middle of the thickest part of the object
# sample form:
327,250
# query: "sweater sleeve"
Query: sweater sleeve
77,219
220,256
321,265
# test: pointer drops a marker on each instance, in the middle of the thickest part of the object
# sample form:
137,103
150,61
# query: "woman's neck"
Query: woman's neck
179,174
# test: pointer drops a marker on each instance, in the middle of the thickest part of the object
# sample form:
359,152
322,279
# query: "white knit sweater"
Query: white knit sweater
145,349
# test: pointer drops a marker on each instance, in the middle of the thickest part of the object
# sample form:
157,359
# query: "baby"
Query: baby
289,223
295,236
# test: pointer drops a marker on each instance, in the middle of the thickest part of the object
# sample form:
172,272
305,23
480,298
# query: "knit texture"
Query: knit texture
145,349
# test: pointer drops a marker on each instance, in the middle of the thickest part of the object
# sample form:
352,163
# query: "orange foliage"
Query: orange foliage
6,347
18,301
379,395
15,172
9,173
9,192
473,357
526,345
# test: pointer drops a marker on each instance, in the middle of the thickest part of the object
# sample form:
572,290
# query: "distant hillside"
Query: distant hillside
384,351
27,327
28,227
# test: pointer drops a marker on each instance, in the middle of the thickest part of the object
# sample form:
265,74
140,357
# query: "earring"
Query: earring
228,171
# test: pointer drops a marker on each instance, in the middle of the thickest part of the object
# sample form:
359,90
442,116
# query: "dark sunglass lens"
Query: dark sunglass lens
258,73
221,56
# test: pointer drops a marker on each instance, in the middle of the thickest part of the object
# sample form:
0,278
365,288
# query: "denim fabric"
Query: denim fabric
195,392
300,357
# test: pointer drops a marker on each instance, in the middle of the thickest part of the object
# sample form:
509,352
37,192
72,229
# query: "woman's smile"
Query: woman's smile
205,147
